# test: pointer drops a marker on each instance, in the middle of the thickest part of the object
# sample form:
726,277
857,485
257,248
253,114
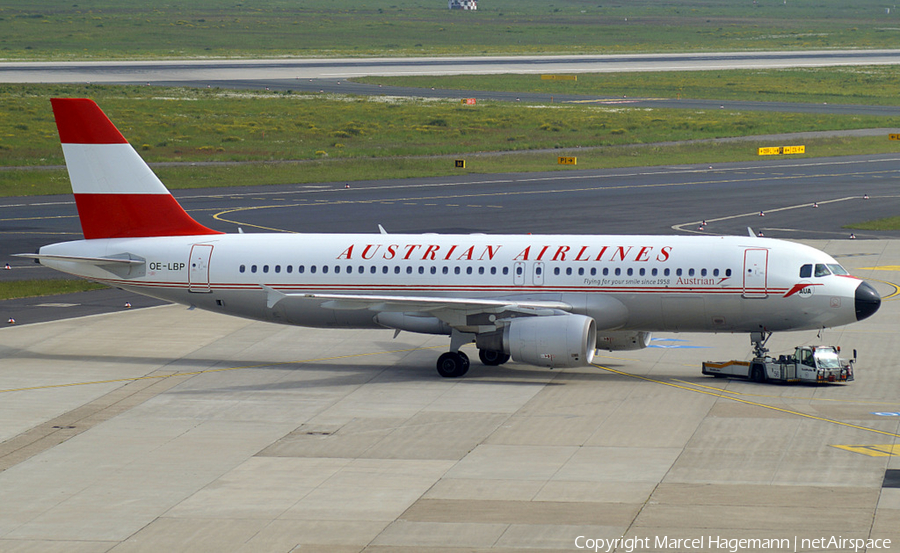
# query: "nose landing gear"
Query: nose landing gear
759,340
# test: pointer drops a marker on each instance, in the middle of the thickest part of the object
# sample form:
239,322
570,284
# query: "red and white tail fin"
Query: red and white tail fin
117,194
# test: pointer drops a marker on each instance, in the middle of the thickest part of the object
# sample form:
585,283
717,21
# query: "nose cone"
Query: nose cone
867,301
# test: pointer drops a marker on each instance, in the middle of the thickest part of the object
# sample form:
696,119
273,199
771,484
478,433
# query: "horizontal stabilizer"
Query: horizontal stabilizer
79,259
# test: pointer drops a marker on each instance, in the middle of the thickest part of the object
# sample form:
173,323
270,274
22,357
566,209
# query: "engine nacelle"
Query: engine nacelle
556,341
623,341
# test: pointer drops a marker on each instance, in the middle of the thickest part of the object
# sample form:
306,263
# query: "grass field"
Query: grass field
888,223
349,138
31,288
103,29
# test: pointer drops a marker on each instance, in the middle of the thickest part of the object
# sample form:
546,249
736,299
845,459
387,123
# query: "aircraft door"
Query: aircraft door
756,263
519,273
537,275
198,268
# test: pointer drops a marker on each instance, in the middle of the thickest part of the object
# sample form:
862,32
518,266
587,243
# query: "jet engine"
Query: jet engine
554,341
623,341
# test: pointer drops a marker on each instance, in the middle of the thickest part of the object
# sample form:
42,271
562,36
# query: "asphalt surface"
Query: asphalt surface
191,70
331,75
655,200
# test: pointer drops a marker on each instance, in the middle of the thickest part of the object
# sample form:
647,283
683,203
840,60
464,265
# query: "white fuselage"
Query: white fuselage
635,283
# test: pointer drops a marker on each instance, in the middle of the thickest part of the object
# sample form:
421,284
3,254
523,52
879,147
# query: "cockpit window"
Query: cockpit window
837,269
822,270
806,271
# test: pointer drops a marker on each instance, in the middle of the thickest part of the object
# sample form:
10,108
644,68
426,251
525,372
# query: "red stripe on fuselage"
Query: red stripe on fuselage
81,121
135,216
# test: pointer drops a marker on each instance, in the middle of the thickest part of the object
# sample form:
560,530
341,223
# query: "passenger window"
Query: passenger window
605,271
654,272
243,268
434,270
690,272
630,271
300,268
728,272
362,269
384,270
580,271
806,271
455,270
556,271
493,270
702,272
715,272
265,268
372,269
277,268
568,270
593,271
290,268
677,272
312,269
480,270
409,270
468,270
666,272
822,270
397,270
642,272
324,269
445,270
618,271
421,270
505,270
519,270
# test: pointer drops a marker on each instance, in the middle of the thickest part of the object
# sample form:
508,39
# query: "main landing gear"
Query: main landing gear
455,363
492,358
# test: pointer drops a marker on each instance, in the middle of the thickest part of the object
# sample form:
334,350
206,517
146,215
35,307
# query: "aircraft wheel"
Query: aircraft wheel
492,358
453,365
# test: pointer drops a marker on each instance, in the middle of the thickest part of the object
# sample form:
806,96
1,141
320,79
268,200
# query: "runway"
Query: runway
300,68
167,429
331,75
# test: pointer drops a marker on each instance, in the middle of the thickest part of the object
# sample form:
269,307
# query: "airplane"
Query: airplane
544,300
